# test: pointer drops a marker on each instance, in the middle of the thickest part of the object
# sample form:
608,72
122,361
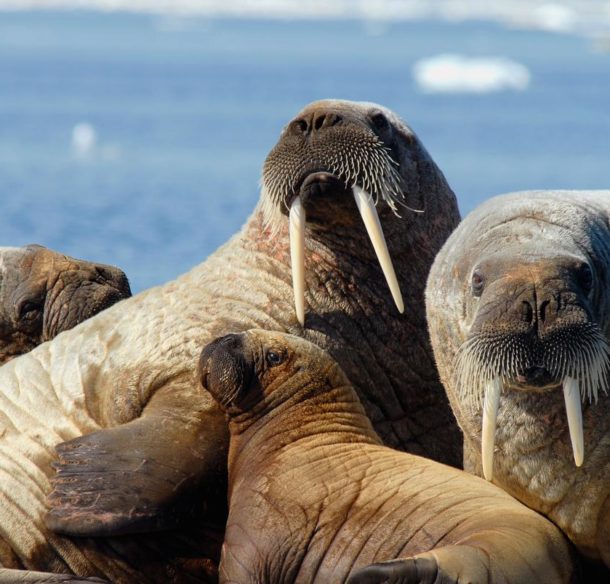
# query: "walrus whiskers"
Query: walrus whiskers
366,167
486,363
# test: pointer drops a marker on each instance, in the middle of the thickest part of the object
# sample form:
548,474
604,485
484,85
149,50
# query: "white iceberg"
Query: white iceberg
450,73
84,139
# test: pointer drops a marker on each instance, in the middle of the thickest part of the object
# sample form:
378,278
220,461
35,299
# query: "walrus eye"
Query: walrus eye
584,277
273,358
477,283
29,310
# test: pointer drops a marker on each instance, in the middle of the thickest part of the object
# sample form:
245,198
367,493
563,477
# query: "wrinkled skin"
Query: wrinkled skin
529,274
140,448
43,293
315,497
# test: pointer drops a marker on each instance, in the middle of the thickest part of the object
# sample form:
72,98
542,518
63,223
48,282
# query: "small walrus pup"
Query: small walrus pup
518,305
316,497
43,293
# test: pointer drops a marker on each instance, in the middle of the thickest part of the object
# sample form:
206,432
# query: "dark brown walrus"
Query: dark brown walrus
44,292
316,497
145,439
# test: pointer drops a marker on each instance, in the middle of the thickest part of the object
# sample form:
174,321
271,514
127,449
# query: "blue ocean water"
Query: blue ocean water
185,111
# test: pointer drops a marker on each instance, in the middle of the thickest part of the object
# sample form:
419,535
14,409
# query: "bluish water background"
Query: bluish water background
186,111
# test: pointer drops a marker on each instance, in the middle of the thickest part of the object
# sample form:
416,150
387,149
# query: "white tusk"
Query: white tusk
571,395
366,206
297,256
488,434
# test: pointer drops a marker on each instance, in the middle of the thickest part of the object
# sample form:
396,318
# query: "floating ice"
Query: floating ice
554,17
580,16
459,74
84,139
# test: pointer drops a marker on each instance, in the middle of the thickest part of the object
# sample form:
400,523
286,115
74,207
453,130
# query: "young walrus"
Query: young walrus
519,310
44,292
316,497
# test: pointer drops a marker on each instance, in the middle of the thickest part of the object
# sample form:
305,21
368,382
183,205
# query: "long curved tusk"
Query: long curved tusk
488,433
366,206
297,256
571,396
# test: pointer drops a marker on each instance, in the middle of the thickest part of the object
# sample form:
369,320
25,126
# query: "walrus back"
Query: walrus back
101,374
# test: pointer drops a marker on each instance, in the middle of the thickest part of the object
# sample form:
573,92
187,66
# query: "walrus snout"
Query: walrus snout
226,368
115,278
80,290
345,157
534,329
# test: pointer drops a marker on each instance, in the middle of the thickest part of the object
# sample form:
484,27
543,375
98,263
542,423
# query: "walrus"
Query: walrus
314,496
44,292
518,305
138,446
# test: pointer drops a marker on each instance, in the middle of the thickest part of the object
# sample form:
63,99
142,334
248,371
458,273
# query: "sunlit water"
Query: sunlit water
138,140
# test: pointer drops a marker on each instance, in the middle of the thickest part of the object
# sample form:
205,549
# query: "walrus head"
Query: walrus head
255,371
43,293
535,294
335,160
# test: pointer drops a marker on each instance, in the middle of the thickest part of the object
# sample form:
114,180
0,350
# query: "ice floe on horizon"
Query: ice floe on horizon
449,73
85,144
84,139
577,16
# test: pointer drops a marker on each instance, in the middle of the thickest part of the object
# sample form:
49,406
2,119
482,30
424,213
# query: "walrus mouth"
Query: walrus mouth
536,378
357,160
576,357
368,212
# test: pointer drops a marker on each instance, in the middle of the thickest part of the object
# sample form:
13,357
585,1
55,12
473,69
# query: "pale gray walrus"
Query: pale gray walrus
519,309
44,292
314,496
127,377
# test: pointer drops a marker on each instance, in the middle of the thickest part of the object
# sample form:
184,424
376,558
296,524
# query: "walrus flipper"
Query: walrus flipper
28,577
140,476
417,570
447,565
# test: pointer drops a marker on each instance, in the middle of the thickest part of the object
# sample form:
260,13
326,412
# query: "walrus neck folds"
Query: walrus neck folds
345,289
321,414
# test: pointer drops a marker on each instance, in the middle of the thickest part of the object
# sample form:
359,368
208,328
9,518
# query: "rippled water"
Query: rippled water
180,114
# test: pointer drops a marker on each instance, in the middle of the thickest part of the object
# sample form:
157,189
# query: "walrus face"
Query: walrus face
331,155
534,328
43,293
248,371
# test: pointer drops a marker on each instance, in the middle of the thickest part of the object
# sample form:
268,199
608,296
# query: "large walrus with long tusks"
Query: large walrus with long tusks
314,496
139,445
44,292
519,309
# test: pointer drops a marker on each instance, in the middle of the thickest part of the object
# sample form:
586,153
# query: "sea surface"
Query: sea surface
138,139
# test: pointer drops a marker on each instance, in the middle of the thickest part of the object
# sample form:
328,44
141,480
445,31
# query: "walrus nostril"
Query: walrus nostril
326,120
543,308
299,126
527,312
231,340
